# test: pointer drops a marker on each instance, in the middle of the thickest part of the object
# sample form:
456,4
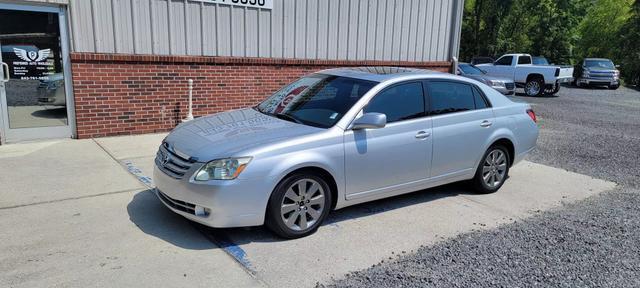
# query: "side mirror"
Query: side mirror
370,121
617,65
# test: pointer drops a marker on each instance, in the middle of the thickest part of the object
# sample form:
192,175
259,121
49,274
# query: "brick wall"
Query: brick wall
119,94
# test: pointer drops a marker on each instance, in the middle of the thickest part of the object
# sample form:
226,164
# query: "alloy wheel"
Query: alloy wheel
494,168
302,204
532,88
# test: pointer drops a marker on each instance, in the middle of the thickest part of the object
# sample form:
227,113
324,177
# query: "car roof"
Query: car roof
378,73
598,59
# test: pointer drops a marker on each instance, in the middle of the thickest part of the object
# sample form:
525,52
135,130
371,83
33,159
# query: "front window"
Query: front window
505,61
599,64
317,100
400,102
469,69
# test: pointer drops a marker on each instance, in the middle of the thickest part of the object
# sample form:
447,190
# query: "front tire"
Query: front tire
298,205
492,171
614,87
534,87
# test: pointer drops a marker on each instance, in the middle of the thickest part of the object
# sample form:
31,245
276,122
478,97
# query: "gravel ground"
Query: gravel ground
591,243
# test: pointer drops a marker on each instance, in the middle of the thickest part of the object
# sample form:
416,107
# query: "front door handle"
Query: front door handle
422,135
486,123
5,71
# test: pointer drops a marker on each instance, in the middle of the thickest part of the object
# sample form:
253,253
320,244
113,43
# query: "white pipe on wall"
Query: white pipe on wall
190,113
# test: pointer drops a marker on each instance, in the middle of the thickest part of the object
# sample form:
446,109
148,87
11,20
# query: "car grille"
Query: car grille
177,204
510,86
171,163
601,75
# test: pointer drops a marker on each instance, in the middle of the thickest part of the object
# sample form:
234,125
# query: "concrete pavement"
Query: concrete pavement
73,216
111,231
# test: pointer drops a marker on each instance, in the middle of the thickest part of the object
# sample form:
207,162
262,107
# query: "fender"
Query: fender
500,133
309,159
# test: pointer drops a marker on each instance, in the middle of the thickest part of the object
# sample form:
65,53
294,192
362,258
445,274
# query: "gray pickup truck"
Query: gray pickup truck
596,72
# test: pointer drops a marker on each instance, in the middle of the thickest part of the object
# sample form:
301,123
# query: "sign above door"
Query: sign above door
262,4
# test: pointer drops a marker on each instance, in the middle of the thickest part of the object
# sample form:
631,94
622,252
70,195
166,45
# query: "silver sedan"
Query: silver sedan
502,85
337,138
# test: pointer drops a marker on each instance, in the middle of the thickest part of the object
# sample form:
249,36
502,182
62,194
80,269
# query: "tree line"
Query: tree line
564,31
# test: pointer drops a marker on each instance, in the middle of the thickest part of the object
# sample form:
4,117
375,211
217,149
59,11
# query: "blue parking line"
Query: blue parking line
220,240
135,171
232,249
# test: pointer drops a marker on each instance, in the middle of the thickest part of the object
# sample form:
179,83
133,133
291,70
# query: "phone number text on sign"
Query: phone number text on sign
263,4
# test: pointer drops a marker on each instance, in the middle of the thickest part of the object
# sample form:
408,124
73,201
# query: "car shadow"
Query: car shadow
522,94
153,218
238,236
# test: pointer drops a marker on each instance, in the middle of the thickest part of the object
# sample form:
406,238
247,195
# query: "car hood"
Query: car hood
230,133
484,78
599,69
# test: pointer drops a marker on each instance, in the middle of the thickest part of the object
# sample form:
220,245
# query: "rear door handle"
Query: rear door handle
422,135
5,71
486,123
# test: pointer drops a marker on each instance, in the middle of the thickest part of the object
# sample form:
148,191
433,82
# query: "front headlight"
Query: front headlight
494,83
222,169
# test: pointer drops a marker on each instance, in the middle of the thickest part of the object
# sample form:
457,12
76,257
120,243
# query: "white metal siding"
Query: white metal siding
406,30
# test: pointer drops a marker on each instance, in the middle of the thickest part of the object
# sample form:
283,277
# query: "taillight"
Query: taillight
532,115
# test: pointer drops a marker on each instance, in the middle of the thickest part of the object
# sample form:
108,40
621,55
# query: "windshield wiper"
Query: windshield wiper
288,118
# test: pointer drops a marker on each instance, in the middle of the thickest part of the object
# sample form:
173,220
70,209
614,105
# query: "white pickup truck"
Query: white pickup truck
535,79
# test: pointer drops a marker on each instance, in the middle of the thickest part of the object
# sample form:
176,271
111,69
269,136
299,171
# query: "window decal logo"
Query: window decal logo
32,56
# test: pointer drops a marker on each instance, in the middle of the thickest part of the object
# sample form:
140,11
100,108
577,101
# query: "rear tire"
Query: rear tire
554,90
298,205
492,171
534,87
614,87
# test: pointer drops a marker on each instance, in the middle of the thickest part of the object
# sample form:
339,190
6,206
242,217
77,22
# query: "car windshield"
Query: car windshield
317,100
599,64
540,61
470,69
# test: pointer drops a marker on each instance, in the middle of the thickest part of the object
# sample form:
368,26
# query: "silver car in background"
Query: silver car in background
337,138
503,85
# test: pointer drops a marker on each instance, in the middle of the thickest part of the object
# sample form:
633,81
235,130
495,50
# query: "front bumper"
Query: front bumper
505,90
219,204
608,81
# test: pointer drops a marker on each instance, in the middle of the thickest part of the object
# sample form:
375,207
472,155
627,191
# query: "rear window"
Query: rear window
524,60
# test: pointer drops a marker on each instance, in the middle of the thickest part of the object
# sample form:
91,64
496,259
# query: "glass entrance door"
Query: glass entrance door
33,93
